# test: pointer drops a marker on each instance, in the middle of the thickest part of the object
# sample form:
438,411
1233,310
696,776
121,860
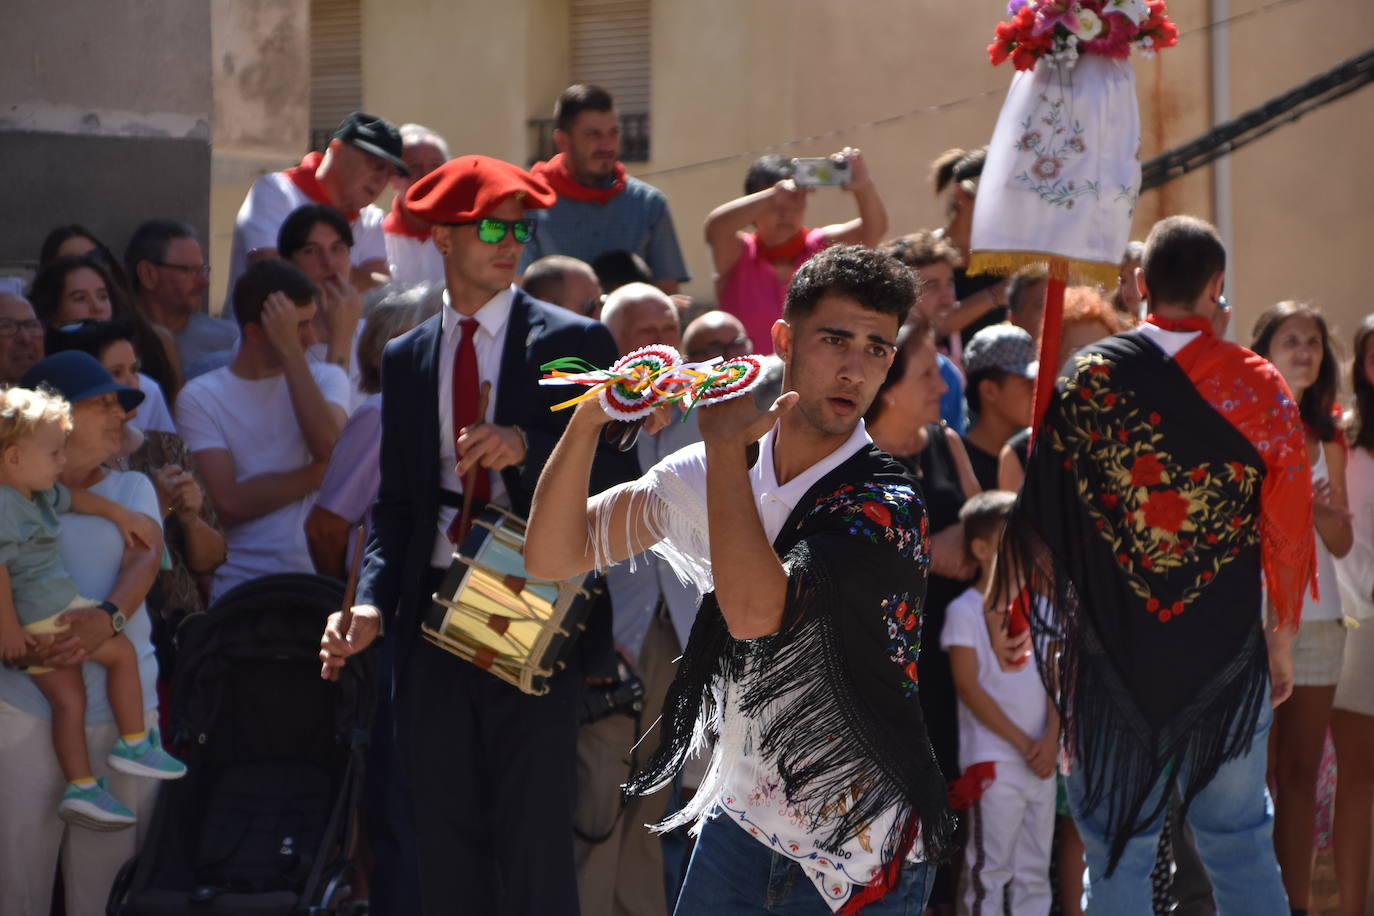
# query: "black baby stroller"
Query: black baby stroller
263,820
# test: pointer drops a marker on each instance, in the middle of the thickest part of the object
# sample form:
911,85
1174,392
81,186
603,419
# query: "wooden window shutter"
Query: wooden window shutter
610,49
336,71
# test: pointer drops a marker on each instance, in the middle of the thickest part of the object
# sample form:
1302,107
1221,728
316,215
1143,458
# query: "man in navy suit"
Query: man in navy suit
491,769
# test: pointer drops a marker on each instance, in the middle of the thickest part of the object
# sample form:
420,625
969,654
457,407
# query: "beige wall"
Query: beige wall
260,51
473,72
1304,195
731,79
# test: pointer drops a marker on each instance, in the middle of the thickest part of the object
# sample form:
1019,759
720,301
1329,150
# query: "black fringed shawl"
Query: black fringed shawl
833,693
1140,519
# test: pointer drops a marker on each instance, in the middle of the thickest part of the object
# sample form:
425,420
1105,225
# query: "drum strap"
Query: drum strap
451,499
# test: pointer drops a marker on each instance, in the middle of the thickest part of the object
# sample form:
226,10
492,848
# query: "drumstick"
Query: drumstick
470,478
350,588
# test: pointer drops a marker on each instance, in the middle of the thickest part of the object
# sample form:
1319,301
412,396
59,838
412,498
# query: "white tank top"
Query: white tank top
1328,606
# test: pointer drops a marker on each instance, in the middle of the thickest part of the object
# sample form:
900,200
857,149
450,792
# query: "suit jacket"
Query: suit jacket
395,576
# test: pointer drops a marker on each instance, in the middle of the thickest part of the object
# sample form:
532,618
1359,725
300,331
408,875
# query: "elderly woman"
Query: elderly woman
350,481
195,543
96,557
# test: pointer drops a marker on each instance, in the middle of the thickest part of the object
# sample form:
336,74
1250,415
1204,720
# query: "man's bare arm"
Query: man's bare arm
320,421
558,539
238,501
751,584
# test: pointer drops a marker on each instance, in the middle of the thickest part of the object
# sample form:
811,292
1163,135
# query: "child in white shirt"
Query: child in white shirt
1008,743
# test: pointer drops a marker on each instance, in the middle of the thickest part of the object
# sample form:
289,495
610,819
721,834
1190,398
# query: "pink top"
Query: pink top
753,293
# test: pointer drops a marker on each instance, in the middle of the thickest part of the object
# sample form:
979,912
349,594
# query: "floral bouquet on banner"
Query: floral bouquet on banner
1064,29
1063,172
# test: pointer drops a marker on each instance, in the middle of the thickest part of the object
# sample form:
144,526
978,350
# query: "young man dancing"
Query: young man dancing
823,794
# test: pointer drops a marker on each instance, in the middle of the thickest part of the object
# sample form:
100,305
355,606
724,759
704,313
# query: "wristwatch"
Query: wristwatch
117,618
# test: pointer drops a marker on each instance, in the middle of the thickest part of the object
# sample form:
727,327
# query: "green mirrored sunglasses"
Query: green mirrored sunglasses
493,231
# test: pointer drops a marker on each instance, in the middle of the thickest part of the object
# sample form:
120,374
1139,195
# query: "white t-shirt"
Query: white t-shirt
254,421
268,204
740,782
1019,694
92,550
1327,606
1355,570
413,261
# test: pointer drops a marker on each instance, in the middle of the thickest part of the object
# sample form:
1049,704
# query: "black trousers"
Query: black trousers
493,775
395,885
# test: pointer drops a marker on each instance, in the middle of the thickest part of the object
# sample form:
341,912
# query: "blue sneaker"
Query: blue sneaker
94,808
147,758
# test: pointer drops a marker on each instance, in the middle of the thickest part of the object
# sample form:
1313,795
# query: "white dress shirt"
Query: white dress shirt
489,342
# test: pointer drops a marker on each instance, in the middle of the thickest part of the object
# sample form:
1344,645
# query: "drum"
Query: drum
488,612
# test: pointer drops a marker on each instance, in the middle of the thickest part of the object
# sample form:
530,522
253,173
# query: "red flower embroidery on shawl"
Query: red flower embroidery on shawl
1165,509
878,513
1146,471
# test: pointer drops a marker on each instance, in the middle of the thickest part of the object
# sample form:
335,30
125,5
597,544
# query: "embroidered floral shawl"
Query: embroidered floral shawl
849,740
1151,506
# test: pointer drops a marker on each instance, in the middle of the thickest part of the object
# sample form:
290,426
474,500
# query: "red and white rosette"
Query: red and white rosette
727,379
639,382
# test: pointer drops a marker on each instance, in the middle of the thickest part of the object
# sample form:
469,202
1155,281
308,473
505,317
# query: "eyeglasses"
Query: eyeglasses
740,346
199,270
493,231
12,326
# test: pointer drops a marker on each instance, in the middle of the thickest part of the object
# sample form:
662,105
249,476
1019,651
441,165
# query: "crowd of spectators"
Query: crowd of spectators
255,447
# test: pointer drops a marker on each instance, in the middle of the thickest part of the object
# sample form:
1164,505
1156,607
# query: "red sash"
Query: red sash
303,177
1228,376
395,223
556,173
788,251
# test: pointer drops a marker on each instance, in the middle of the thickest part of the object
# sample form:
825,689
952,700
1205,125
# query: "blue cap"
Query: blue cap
77,376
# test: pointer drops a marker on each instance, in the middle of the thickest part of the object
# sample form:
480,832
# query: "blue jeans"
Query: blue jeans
1232,821
733,874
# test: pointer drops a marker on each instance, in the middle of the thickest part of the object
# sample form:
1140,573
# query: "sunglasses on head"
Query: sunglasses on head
493,231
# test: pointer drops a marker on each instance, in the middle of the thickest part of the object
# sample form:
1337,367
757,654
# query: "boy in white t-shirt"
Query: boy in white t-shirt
1008,742
261,429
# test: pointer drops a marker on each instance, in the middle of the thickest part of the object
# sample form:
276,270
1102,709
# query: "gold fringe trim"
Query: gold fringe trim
1060,268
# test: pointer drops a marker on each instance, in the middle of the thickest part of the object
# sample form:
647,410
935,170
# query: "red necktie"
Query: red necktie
465,397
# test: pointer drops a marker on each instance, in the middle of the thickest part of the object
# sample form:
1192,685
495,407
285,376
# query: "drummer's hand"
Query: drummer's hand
336,645
737,423
489,446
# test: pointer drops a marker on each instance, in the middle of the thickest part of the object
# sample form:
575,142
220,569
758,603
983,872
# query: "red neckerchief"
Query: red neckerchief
1250,394
556,173
303,177
1191,323
789,250
395,223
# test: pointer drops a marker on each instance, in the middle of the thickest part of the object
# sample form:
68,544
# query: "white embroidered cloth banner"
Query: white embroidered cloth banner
1063,171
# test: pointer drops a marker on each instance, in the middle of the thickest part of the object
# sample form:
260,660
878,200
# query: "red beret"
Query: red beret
471,187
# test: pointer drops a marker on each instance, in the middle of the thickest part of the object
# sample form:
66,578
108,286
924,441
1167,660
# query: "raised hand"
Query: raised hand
737,423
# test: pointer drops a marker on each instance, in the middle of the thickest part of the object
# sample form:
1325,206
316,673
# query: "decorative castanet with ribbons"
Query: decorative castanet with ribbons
649,378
